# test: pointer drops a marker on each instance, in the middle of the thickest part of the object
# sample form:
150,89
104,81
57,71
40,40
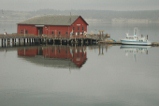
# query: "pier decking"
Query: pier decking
24,40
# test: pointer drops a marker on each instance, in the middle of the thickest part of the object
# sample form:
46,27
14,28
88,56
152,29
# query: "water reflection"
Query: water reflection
101,48
57,56
131,49
106,80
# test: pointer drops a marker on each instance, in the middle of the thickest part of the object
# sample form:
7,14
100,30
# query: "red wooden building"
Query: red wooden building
54,26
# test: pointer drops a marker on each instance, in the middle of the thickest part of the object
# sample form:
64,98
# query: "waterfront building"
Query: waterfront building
53,26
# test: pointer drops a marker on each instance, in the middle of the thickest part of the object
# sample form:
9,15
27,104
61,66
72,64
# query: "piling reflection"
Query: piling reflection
102,48
58,56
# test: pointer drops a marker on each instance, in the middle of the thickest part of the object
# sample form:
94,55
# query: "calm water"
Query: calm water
101,75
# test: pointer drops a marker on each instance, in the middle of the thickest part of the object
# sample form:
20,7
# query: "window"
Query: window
52,32
82,28
26,31
59,33
78,28
21,31
66,33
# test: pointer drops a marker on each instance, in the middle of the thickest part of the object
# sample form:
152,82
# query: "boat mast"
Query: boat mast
135,31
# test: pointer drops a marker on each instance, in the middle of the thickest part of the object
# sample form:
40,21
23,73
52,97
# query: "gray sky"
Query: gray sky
29,5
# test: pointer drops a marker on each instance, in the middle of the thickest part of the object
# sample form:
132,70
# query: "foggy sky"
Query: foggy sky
32,5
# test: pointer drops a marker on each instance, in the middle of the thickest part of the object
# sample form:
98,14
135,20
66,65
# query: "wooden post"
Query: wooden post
12,41
24,41
52,41
2,42
34,41
46,41
19,41
27,40
31,41
60,41
15,42
102,35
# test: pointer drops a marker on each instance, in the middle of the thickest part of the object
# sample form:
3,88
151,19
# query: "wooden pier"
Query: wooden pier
155,43
16,40
28,40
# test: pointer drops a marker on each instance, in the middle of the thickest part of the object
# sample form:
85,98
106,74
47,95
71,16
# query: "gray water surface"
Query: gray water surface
100,75
111,75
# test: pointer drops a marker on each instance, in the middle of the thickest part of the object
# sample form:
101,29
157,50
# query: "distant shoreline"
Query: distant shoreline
92,16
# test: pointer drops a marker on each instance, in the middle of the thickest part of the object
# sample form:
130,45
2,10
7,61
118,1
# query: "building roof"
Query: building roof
52,20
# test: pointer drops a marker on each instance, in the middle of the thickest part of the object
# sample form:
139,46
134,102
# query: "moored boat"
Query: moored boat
135,40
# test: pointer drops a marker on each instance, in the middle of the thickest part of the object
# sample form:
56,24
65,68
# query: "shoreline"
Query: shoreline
154,44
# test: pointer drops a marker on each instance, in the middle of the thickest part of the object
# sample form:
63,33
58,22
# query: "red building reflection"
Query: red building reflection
77,55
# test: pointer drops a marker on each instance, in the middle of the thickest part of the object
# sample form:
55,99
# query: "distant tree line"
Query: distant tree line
108,15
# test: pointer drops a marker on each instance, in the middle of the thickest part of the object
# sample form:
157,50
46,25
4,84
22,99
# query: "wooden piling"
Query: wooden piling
24,42
15,40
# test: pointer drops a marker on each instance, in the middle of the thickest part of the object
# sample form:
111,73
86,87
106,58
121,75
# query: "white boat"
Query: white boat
135,40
